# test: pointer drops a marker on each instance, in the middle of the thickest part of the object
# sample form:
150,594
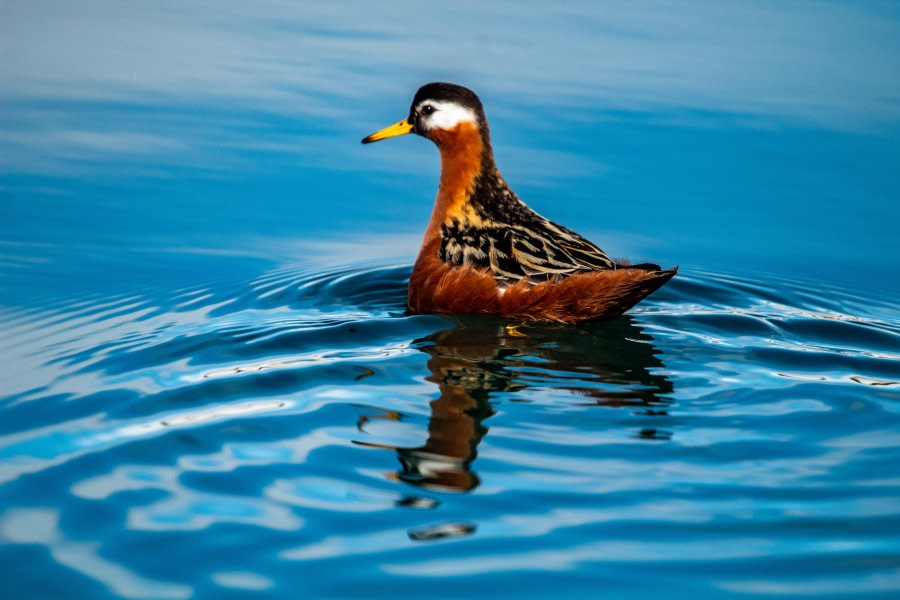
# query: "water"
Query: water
211,387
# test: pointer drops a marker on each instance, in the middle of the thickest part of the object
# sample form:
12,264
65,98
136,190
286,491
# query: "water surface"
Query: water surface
211,385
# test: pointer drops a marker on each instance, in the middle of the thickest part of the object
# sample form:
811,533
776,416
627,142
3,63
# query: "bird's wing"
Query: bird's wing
515,251
563,248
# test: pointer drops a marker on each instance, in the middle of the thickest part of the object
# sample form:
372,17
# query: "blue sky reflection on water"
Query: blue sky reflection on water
709,134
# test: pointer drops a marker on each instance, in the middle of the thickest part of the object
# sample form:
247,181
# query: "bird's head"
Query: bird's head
438,110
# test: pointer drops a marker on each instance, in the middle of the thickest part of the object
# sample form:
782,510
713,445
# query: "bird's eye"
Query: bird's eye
427,109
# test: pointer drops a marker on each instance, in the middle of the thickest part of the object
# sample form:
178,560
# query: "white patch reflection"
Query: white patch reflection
41,526
242,580
184,509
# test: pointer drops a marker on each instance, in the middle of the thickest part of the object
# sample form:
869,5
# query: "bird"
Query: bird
485,251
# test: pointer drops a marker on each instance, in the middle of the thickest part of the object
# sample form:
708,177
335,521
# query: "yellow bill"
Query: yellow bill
401,128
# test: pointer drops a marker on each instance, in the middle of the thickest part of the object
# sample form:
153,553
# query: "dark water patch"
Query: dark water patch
825,361
865,335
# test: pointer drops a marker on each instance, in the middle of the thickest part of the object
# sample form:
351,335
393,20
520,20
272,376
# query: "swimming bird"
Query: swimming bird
485,251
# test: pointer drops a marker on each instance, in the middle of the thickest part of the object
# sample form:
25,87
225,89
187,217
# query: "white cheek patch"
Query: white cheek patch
446,115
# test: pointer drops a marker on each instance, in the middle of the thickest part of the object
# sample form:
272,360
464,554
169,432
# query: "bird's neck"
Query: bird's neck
466,159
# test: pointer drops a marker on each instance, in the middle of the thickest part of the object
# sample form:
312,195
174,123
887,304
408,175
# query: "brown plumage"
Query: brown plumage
485,251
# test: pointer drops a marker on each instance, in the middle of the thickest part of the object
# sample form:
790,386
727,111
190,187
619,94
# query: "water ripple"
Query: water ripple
729,420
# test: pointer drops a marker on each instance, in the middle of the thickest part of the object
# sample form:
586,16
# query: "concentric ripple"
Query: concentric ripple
742,430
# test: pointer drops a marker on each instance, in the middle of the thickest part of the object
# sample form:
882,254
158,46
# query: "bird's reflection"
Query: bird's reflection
610,364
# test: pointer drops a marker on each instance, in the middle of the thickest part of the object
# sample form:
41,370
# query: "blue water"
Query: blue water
211,387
